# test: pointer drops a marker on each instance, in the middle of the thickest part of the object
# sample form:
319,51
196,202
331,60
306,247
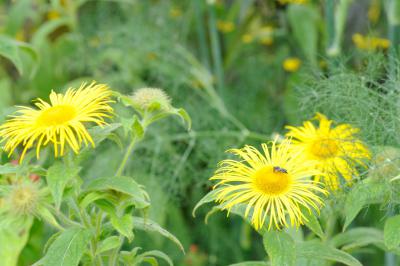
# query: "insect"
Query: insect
278,169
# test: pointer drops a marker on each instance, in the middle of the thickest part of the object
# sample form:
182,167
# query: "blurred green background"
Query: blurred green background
242,69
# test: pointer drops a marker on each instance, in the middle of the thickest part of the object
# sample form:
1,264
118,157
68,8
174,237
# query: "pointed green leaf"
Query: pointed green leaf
209,197
392,232
361,195
312,223
151,226
13,239
137,128
68,248
185,117
357,237
158,254
108,244
124,225
57,178
280,247
121,184
317,250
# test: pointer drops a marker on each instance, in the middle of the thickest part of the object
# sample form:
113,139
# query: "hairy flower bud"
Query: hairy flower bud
23,199
149,99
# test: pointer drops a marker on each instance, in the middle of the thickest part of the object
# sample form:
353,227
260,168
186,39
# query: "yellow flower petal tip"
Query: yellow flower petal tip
335,150
274,185
61,122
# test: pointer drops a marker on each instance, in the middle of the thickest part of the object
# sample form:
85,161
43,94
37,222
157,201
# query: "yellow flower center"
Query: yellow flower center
57,115
325,148
272,180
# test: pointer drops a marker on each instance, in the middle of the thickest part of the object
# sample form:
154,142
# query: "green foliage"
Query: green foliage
236,93
277,245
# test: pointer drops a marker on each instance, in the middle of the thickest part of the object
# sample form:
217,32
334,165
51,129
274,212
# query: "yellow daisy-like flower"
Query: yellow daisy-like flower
59,122
336,150
274,184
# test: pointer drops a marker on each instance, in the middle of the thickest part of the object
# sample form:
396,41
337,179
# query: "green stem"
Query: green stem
198,11
126,157
114,255
215,47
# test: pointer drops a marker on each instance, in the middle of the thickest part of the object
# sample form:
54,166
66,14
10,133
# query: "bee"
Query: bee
278,169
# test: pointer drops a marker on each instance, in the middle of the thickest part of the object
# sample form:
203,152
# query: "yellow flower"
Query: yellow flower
247,38
175,12
374,11
59,122
265,34
225,26
291,64
53,14
274,184
335,150
370,43
299,2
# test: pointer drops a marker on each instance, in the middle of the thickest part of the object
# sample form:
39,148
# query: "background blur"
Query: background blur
242,69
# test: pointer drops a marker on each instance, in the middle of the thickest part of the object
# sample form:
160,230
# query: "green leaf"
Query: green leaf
108,244
11,49
68,248
158,254
121,184
151,226
280,247
13,239
9,169
209,197
91,197
137,128
124,225
100,133
44,213
361,195
251,263
316,250
185,117
57,178
391,232
312,223
357,237
303,20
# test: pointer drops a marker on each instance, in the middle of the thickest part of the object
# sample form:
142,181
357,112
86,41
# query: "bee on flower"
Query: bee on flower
335,150
274,185
62,122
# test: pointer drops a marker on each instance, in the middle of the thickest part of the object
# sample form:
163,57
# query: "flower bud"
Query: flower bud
150,99
23,199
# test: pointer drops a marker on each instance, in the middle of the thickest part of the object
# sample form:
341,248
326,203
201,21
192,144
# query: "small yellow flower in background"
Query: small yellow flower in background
175,12
225,26
335,150
53,14
274,185
265,35
60,122
20,36
374,11
291,64
151,56
299,2
247,38
370,43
